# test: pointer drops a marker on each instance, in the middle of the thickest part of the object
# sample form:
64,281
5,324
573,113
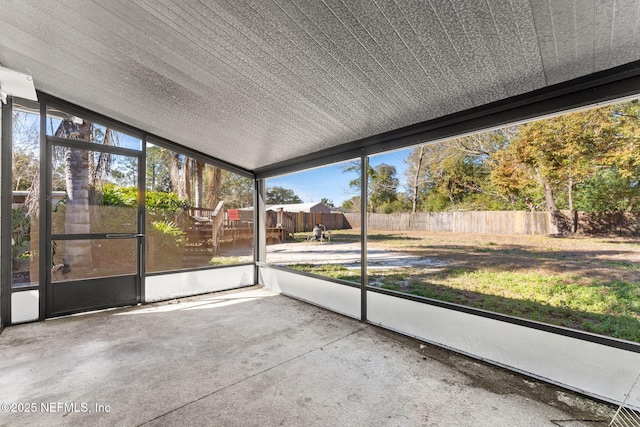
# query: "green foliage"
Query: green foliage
168,228
158,166
167,202
280,195
236,190
336,271
25,169
352,204
383,186
608,191
587,160
165,242
229,260
400,204
20,231
115,195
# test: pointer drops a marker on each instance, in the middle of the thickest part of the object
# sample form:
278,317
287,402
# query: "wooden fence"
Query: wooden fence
498,222
489,222
617,223
305,221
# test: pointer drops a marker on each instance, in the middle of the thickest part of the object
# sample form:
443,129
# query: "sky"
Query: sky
332,182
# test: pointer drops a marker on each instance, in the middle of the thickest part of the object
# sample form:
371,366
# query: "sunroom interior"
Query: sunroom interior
145,168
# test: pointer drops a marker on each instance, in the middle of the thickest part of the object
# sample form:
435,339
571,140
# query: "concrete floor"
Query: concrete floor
254,358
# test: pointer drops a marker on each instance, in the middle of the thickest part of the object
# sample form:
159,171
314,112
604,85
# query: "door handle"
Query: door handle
124,235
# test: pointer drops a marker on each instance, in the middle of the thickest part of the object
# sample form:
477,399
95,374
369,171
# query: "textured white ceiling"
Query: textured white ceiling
256,82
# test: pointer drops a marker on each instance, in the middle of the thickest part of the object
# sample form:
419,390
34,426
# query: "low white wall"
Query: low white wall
342,299
180,284
594,369
25,306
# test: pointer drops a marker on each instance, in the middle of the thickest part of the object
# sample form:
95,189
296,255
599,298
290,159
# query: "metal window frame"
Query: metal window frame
46,168
6,200
46,101
364,203
603,87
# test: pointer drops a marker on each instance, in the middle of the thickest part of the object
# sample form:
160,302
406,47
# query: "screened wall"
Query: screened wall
466,240
93,207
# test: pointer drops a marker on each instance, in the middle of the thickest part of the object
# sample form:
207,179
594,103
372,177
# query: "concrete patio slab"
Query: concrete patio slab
251,357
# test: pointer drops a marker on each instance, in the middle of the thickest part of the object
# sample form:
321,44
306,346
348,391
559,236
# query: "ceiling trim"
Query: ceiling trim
600,87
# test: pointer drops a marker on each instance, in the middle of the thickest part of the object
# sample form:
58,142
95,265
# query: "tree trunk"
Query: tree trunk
174,175
573,215
214,183
558,220
32,202
198,175
103,165
450,192
416,179
187,179
77,254
77,216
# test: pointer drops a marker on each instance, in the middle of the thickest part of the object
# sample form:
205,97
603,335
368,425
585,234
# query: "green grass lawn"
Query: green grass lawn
591,285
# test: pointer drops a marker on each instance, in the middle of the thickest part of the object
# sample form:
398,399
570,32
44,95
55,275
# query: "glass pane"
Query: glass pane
25,198
313,221
68,126
93,192
538,221
87,259
198,215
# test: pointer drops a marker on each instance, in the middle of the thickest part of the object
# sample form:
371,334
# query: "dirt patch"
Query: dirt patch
502,381
580,257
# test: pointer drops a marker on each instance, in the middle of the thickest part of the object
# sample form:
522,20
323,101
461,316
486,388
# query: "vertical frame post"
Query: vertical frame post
364,191
142,215
6,200
44,206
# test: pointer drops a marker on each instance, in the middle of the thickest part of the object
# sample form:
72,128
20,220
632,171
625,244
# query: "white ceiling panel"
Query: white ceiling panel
258,82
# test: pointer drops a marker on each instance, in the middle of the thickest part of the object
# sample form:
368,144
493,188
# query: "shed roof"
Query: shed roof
299,207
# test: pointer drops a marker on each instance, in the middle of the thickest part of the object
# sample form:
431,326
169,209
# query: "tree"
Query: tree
213,186
25,169
382,183
561,152
327,202
235,190
608,191
176,175
352,204
452,173
158,160
415,174
383,186
280,195
198,184
26,147
77,214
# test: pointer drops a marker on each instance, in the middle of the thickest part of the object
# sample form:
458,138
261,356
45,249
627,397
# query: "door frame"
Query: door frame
127,289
